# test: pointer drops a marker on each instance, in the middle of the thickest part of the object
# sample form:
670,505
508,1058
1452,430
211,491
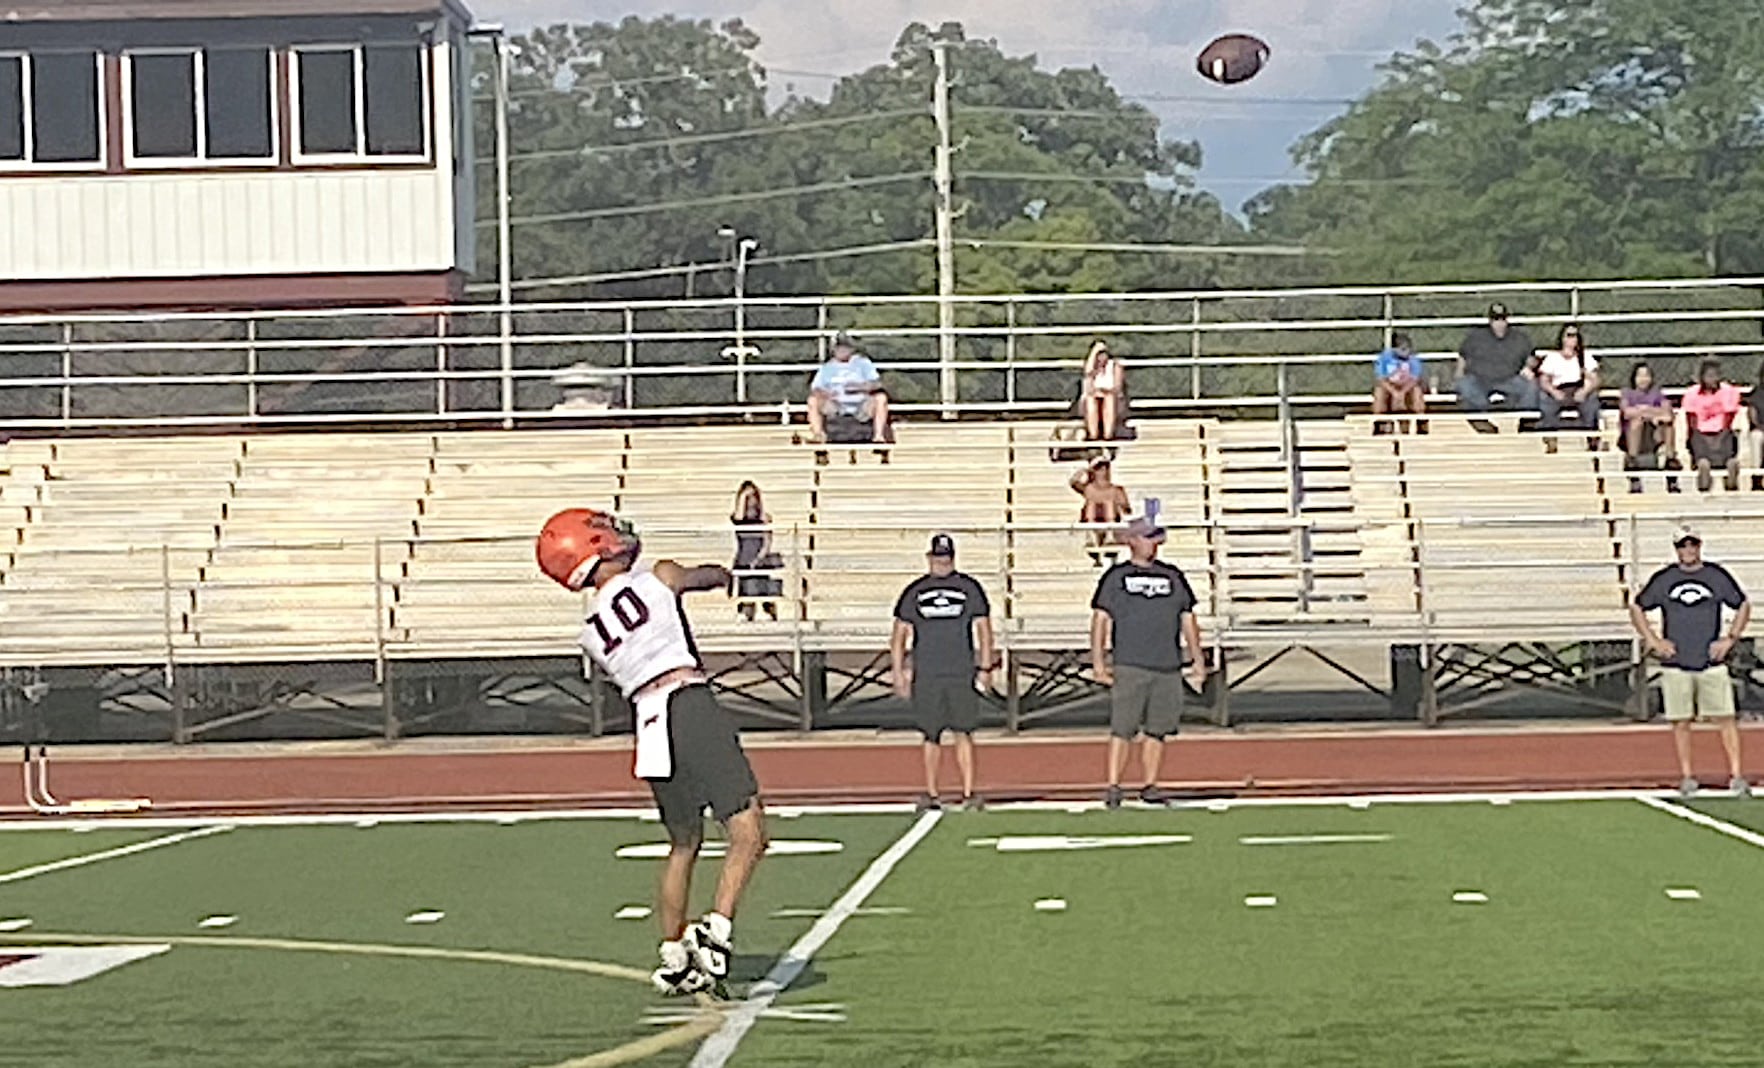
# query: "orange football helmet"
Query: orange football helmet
574,542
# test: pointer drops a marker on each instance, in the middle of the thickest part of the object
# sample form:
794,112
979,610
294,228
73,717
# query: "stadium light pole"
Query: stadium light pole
740,350
499,45
944,178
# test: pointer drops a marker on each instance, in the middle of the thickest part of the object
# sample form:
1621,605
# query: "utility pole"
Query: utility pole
504,234
945,180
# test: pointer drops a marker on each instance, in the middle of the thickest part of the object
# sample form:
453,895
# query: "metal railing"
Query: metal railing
1019,354
147,605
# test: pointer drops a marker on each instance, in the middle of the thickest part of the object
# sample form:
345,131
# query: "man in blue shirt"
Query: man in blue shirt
1398,387
848,387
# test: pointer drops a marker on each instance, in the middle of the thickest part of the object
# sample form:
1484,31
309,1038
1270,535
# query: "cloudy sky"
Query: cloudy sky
1324,51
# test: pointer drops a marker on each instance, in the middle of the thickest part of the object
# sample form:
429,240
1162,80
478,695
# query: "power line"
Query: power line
1051,113
1162,249
584,86
708,138
707,268
726,198
1200,179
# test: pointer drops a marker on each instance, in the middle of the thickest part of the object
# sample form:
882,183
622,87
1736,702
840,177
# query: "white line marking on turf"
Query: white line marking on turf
633,912
219,921
780,847
720,1046
14,925
1703,819
1051,904
84,828
425,917
815,914
1311,839
1054,843
112,854
1470,897
1261,901
1684,893
1363,801
367,825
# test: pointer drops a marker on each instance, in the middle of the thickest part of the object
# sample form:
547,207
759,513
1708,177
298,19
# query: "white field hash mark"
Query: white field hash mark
214,922
721,1045
1311,839
19,924
112,854
1684,893
1703,819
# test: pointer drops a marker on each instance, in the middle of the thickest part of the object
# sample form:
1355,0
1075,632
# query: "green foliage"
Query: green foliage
1600,139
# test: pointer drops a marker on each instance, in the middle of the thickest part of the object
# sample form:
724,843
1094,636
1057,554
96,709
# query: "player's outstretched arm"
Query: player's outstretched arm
691,579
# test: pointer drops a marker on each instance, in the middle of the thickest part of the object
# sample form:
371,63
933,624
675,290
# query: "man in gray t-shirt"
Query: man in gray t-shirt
1499,358
1143,609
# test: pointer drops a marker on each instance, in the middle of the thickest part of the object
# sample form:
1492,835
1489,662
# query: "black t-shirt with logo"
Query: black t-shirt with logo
942,609
1146,602
1690,604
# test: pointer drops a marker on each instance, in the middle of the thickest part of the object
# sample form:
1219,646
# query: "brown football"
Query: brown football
1233,58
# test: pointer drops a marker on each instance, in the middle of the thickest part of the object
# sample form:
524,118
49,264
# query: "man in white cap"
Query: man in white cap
1693,651
1144,610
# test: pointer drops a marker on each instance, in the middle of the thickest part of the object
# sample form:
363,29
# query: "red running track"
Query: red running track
813,769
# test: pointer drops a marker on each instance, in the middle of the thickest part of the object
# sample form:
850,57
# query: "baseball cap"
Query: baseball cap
1100,460
1145,528
844,338
1685,533
1497,310
941,545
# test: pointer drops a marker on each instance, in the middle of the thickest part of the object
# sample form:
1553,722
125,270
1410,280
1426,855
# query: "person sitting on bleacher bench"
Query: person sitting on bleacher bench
1647,420
1104,503
1397,385
847,403
1103,394
1496,358
1709,410
1568,377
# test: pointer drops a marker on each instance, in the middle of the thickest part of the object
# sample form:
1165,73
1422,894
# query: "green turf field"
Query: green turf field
1355,953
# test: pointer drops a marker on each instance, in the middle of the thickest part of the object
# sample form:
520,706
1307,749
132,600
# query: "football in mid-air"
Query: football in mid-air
1233,58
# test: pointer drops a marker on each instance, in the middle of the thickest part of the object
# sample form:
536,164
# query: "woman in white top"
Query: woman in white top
1568,378
1105,383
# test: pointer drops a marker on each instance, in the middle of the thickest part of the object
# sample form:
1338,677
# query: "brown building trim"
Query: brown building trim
28,11
266,167
115,122
284,110
243,292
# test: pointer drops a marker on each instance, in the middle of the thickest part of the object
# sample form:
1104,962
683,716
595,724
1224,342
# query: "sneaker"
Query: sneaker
1156,795
1112,799
711,941
927,803
1687,788
678,976
973,803
1740,787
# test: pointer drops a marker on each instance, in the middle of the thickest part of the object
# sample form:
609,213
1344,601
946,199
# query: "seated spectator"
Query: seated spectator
753,553
1496,358
1647,421
1755,431
1104,503
1103,394
1709,410
1397,386
848,388
1568,377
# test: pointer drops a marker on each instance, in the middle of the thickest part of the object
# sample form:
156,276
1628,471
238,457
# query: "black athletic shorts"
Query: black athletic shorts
945,704
1717,448
710,770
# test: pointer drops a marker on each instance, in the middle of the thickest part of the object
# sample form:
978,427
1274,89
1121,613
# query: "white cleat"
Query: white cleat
711,942
679,975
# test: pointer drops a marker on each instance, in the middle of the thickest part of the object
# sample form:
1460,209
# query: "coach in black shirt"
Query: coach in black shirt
1496,357
1147,608
1694,683
943,611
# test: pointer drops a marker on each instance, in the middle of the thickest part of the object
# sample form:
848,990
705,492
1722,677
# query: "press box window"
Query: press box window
363,101
49,108
210,105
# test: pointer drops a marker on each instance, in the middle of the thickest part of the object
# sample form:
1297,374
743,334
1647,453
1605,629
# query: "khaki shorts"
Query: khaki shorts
1705,694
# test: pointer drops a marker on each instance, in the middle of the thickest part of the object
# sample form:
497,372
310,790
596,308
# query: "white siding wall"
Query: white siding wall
170,224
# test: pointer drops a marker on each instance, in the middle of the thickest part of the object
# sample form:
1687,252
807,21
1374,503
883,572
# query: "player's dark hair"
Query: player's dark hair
1706,366
1401,341
1635,374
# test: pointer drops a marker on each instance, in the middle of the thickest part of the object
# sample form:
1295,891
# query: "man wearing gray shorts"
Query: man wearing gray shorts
1144,608
1694,682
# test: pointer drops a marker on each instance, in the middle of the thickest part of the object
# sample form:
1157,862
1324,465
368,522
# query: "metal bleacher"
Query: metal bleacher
416,546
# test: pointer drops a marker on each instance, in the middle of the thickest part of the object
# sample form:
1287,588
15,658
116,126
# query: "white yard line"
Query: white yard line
111,854
511,817
1703,819
720,1046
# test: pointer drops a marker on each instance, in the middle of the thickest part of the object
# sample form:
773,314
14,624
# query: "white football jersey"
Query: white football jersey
637,631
